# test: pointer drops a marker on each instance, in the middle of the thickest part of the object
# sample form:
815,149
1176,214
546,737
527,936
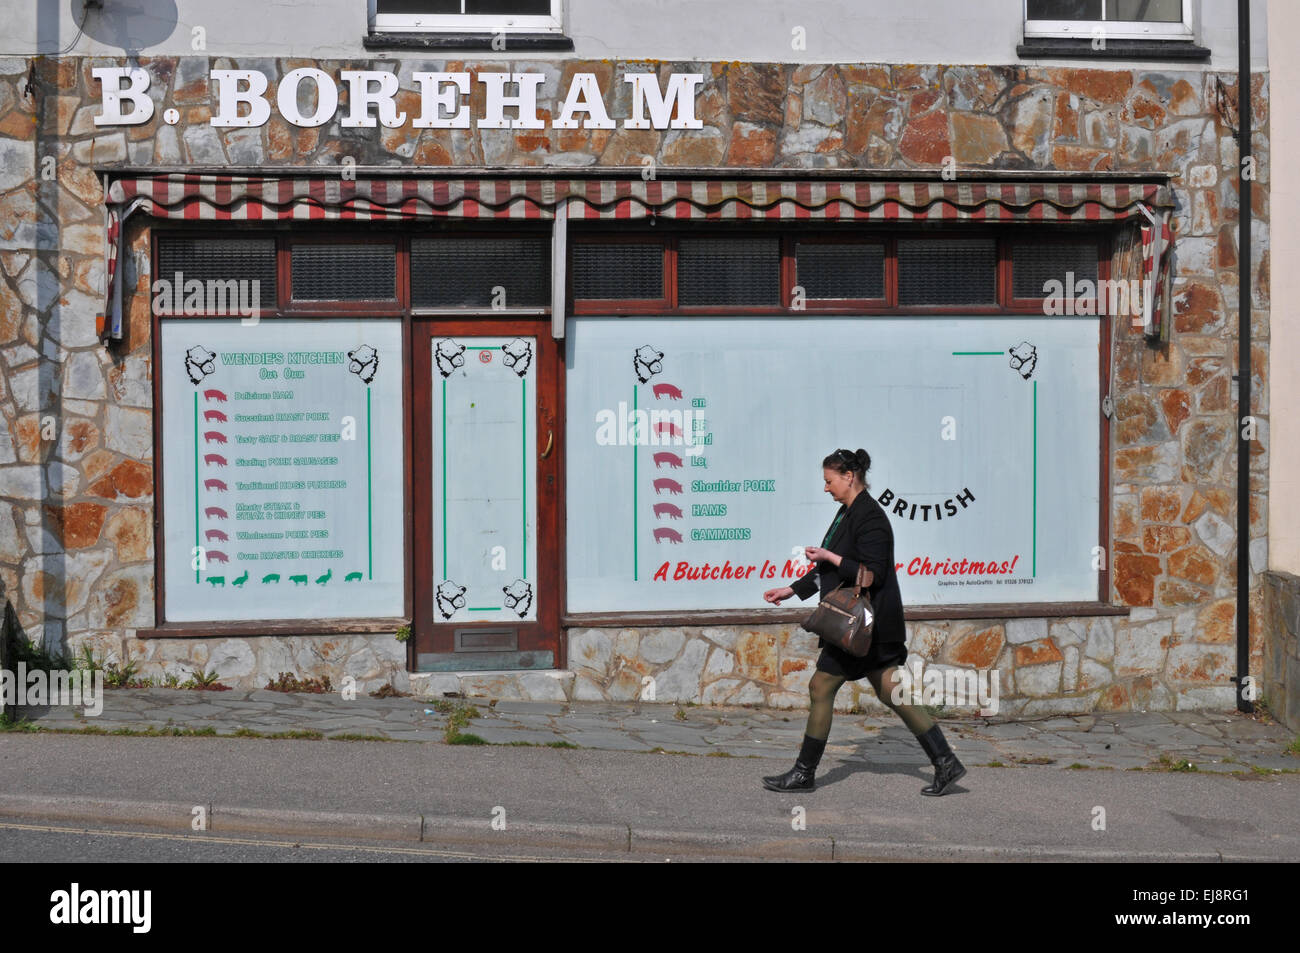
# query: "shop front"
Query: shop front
538,364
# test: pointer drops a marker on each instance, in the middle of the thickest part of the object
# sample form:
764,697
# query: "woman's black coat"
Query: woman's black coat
863,536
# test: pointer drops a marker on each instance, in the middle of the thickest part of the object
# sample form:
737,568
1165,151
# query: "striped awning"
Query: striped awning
363,198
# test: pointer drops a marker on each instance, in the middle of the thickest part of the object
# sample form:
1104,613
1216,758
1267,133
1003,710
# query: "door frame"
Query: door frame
427,634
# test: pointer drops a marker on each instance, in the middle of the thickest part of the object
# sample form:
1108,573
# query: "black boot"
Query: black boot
947,769
800,777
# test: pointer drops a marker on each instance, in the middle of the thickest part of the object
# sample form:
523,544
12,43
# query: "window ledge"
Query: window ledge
272,628
927,613
1081,48
465,41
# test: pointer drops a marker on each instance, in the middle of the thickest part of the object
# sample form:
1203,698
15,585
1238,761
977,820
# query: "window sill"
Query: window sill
273,628
1081,48
466,41
998,610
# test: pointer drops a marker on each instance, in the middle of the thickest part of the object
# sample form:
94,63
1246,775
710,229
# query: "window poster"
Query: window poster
694,451
283,469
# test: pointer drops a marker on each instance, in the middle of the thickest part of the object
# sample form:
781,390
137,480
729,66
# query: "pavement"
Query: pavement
653,779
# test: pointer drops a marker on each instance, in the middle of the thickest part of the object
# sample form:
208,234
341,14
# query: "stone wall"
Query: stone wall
76,463
1281,673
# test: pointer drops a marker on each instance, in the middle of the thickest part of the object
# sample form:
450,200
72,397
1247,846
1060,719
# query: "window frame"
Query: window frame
1113,29
467,22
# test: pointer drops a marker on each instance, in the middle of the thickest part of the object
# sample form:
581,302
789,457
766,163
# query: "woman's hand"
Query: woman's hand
775,596
817,554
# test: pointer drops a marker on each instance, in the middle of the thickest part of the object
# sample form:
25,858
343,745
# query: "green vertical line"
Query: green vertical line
635,435
197,577
1035,520
443,567
370,509
523,441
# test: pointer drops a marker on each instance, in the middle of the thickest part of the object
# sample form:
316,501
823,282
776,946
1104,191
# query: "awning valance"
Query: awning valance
213,197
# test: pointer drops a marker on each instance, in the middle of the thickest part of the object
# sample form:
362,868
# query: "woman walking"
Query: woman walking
859,535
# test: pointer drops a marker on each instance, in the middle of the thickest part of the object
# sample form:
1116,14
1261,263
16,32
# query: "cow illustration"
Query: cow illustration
239,581
216,395
270,577
448,355
217,535
667,390
214,417
517,355
215,581
213,436
217,556
364,362
663,532
298,580
352,577
647,362
215,485
668,427
450,597
672,486
215,513
669,510
214,460
673,461
199,363
326,577
1024,358
519,597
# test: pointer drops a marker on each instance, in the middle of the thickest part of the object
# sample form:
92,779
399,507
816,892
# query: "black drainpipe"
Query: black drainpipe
1244,176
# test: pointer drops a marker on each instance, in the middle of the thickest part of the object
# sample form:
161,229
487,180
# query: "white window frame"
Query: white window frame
1113,29
467,23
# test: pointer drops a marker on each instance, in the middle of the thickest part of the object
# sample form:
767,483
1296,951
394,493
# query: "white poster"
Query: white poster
283,469
694,454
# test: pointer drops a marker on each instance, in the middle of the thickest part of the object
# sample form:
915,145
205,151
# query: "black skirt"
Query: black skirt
835,661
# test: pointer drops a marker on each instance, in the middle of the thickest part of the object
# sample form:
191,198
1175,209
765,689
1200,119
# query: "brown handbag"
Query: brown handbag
844,617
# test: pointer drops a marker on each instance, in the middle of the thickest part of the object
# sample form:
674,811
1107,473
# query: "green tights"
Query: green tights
824,686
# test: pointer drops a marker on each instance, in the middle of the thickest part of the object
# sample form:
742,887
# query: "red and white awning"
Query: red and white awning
246,198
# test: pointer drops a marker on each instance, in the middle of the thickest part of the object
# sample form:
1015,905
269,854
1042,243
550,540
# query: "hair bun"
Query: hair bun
864,459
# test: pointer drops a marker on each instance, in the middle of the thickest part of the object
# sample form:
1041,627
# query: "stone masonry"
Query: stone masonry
76,461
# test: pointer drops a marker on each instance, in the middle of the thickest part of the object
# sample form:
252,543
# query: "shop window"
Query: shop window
947,271
344,271
532,16
1038,267
1109,19
495,273
840,271
216,262
728,271
618,271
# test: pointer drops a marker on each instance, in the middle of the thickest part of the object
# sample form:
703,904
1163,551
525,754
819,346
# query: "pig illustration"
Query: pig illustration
215,513
214,459
215,485
214,417
216,534
213,436
673,461
217,556
669,510
667,390
668,427
214,395
671,535
672,486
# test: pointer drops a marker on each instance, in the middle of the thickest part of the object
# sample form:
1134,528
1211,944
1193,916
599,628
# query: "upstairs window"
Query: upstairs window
1109,19
466,16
